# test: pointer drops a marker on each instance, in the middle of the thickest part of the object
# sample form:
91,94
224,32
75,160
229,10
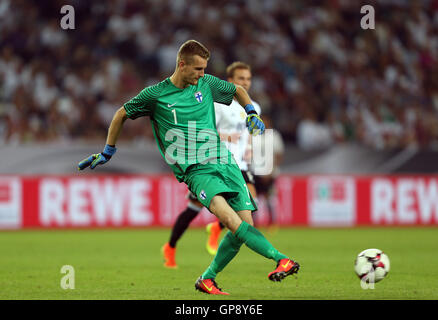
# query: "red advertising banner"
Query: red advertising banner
156,200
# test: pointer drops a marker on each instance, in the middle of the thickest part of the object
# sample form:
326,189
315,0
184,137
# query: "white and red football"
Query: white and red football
371,265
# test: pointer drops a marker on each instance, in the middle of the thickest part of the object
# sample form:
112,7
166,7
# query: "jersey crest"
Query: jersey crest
198,96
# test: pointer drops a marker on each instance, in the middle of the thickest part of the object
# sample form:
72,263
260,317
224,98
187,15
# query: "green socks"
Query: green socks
230,245
227,250
255,240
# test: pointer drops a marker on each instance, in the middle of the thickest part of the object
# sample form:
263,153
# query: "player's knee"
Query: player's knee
247,217
250,221
215,203
219,207
231,222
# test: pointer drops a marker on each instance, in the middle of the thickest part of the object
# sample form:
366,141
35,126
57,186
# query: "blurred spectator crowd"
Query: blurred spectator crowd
322,78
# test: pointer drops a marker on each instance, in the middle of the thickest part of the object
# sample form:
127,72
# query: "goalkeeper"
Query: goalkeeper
230,123
182,116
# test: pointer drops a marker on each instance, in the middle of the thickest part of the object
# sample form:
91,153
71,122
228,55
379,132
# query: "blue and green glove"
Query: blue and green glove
254,123
98,158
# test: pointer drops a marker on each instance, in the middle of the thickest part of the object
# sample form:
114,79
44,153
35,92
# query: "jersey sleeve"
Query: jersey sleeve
221,90
143,103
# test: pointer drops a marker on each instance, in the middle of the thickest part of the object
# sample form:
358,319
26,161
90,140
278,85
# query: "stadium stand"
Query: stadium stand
323,79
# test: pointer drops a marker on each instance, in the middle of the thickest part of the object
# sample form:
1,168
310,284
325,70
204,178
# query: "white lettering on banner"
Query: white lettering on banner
381,201
138,213
107,199
79,216
80,202
52,197
166,203
428,200
405,201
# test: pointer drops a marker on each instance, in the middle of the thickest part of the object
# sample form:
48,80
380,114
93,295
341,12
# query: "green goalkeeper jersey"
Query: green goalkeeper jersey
183,121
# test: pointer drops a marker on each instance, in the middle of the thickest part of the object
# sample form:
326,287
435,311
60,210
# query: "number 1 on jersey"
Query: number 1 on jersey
174,115
247,190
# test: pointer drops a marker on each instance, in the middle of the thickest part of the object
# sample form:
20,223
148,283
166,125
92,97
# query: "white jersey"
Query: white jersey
231,125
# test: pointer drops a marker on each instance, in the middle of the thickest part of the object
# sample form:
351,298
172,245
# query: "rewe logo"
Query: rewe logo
87,202
331,200
333,191
404,201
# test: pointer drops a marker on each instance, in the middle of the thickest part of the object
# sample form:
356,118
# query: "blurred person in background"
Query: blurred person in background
265,183
313,134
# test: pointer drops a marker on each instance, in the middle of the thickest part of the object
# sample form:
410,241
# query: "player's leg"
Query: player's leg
227,250
252,190
184,219
229,184
261,192
253,238
214,229
220,207
180,226
268,188
271,212
285,266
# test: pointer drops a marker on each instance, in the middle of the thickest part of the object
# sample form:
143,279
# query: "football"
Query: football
371,265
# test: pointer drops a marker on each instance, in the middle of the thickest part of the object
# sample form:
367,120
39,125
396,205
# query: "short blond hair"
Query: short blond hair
191,48
235,66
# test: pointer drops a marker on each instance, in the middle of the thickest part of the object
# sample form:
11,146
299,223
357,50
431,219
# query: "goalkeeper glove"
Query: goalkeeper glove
254,123
98,158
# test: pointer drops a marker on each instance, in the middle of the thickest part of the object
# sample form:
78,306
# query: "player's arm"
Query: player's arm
242,96
110,148
139,106
224,91
116,126
254,123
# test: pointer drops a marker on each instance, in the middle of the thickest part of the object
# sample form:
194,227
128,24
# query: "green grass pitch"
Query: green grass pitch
127,264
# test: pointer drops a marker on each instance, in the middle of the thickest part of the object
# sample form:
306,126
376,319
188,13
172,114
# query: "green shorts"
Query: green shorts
208,180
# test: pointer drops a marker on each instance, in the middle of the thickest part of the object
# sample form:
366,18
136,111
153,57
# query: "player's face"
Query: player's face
242,77
191,72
